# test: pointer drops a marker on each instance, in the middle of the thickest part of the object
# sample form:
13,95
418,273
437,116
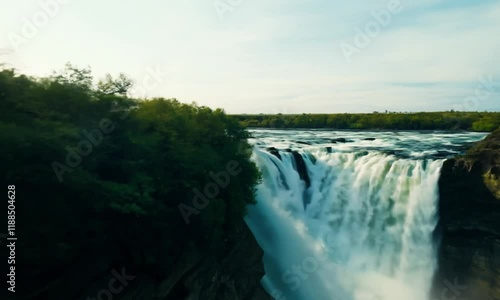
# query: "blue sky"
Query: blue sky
274,56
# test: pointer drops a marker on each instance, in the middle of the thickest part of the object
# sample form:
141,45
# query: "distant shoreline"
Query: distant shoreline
377,121
371,130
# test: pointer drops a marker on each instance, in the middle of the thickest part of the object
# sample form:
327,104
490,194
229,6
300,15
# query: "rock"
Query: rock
469,221
200,273
274,152
227,276
369,139
340,140
390,152
301,168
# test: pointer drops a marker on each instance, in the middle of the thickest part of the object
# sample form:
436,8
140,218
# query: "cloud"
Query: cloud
281,56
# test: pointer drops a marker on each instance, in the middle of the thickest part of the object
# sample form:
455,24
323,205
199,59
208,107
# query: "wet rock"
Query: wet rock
301,168
341,140
274,152
469,220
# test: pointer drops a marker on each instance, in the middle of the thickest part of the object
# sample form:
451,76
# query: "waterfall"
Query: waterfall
347,226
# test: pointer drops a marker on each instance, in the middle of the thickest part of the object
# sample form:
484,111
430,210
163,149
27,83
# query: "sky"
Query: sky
271,56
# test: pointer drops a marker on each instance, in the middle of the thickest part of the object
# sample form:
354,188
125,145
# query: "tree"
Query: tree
81,77
110,186
112,86
484,121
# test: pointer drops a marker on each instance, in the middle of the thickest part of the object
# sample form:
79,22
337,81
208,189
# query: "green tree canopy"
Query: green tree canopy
101,176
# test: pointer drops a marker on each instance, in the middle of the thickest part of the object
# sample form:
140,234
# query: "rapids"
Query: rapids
356,221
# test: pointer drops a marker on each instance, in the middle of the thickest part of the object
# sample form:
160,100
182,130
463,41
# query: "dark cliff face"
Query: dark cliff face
233,273
469,225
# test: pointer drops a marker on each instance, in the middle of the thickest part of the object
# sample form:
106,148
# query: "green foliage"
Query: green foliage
487,123
112,86
475,121
72,75
121,201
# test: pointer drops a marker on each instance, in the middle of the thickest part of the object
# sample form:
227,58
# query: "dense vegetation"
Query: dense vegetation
117,200
474,121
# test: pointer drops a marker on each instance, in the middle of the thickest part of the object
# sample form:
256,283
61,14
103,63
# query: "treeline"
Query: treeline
472,121
106,181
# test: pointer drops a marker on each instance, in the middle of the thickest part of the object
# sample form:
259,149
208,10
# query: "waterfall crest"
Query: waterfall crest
356,226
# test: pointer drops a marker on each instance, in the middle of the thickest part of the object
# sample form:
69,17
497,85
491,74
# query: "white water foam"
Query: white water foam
362,230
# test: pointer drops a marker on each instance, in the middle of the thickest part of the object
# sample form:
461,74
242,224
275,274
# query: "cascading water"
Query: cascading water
346,225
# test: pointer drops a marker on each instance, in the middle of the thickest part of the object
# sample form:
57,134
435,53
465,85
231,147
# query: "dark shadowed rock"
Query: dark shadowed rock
301,168
469,225
369,139
234,272
339,140
274,152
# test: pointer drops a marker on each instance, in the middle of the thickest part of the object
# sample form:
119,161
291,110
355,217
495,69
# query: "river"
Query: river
349,215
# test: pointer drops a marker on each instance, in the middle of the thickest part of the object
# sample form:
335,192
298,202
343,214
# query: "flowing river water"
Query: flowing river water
349,215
